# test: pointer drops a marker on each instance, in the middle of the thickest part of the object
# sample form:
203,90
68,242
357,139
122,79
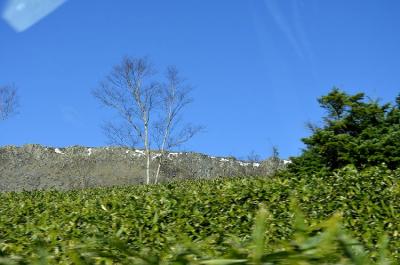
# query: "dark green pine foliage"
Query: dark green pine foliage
356,131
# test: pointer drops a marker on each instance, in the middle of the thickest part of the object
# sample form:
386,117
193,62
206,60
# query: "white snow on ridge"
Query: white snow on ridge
173,155
285,162
141,152
155,156
58,151
224,160
244,164
256,164
137,153
89,151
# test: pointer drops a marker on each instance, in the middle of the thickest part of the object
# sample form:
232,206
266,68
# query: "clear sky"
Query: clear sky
257,66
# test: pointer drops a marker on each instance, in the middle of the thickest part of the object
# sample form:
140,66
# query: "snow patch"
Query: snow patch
173,155
138,153
285,162
58,151
141,152
155,156
224,160
244,164
89,151
256,164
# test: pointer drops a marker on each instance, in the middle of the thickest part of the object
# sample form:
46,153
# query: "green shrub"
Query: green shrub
354,132
216,216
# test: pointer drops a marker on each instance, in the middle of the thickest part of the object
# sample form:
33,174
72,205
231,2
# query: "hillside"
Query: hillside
33,167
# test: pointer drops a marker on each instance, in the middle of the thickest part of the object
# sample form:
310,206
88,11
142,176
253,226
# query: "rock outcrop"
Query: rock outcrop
32,167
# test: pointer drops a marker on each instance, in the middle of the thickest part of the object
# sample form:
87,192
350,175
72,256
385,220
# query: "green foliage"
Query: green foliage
354,132
192,222
325,243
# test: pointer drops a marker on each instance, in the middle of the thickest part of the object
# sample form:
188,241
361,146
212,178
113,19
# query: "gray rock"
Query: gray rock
33,167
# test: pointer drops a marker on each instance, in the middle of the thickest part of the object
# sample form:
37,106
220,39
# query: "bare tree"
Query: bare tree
175,96
8,101
275,160
133,92
253,157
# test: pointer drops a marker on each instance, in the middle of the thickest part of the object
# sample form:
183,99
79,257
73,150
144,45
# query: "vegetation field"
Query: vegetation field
210,222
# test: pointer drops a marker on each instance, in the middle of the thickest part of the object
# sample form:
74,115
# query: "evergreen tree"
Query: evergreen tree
355,131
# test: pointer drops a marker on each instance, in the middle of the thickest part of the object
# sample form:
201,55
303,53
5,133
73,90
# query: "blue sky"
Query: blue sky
257,66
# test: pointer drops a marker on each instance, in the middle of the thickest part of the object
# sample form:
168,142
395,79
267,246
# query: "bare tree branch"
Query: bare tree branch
8,101
120,135
185,134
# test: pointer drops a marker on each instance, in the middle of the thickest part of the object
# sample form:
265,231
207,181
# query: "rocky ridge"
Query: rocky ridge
32,167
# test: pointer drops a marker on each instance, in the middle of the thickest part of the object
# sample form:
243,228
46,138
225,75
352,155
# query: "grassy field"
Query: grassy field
349,217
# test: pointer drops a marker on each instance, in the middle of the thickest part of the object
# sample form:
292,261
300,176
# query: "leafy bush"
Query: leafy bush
107,226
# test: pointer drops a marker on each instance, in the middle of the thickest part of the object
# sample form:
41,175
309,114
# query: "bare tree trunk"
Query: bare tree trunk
157,173
160,160
147,147
162,150
148,168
